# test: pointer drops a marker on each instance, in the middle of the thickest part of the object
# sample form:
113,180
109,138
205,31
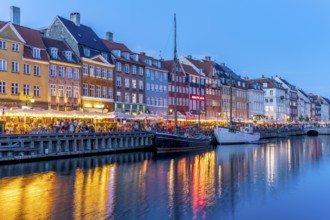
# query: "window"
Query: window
91,91
3,45
52,90
52,70
152,87
87,52
134,70
148,86
133,83
152,75
69,72
76,73
126,68
3,88
14,67
110,93
147,73
36,53
75,92
105,55
118,67
26,90
85,69
98,91
3,65
104,73
126,83
110,74
14,88
140,71
27,69
85,90
36,91
91,70
68,55
141,98
69,91
98,72
118,96
53,52
104,92
15,48
61,91
118,81
271,92
133,97
61,71
127,97
141,84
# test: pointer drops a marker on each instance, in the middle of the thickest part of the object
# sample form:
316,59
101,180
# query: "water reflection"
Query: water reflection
217,184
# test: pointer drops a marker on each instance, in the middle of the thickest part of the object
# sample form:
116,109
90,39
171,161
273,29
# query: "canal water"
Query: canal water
281,179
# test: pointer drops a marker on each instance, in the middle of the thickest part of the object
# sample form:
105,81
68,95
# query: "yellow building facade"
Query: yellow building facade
23,68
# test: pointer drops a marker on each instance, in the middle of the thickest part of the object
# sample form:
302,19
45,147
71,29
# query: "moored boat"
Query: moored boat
232,136
178,143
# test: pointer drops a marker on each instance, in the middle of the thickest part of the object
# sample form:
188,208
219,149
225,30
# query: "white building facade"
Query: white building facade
274,98
256,101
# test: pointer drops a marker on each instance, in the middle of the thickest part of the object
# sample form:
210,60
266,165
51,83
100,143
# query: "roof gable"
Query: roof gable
8,31
99,58
84,35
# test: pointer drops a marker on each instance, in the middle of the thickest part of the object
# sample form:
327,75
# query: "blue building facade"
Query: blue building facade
156,81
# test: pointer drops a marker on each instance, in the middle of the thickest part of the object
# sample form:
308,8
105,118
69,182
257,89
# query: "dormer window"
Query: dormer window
87,52
68,55
126,55
36,53
105,55
117,53
53,52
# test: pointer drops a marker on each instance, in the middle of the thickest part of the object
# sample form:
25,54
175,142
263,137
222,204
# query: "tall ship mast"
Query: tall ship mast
175,60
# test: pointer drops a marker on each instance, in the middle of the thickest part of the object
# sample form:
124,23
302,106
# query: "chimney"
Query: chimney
75,18
109,36
189,57
143,53
263,76
208,58
15,15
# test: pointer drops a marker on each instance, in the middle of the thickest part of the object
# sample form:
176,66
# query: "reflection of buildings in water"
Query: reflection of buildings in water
91,192
203,190
28,196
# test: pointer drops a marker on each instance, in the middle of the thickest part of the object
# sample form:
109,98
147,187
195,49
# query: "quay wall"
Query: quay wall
16,148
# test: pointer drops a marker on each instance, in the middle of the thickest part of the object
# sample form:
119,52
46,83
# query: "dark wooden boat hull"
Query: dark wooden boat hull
166,143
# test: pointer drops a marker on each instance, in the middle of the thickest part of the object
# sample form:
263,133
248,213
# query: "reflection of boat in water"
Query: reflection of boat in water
177,143
232,136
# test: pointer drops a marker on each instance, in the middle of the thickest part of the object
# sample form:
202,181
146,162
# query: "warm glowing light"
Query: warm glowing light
197,97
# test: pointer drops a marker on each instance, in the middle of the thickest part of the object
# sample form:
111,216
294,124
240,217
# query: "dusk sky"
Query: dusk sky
290,38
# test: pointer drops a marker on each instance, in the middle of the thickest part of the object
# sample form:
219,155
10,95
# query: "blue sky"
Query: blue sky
290,38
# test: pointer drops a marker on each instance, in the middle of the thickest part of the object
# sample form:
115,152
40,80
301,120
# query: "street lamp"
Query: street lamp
171,110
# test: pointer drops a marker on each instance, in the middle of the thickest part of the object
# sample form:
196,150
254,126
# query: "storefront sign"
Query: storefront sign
197,97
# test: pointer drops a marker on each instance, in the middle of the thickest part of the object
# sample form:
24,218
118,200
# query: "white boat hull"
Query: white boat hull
227,136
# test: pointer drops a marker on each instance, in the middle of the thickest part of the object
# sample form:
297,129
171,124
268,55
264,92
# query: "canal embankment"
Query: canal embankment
19,148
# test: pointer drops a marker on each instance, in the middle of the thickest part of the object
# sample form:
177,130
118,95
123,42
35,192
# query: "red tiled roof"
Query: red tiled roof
190,70
61,46
31,37
271,82
206,66
168,65
28,54
2,24
116,46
